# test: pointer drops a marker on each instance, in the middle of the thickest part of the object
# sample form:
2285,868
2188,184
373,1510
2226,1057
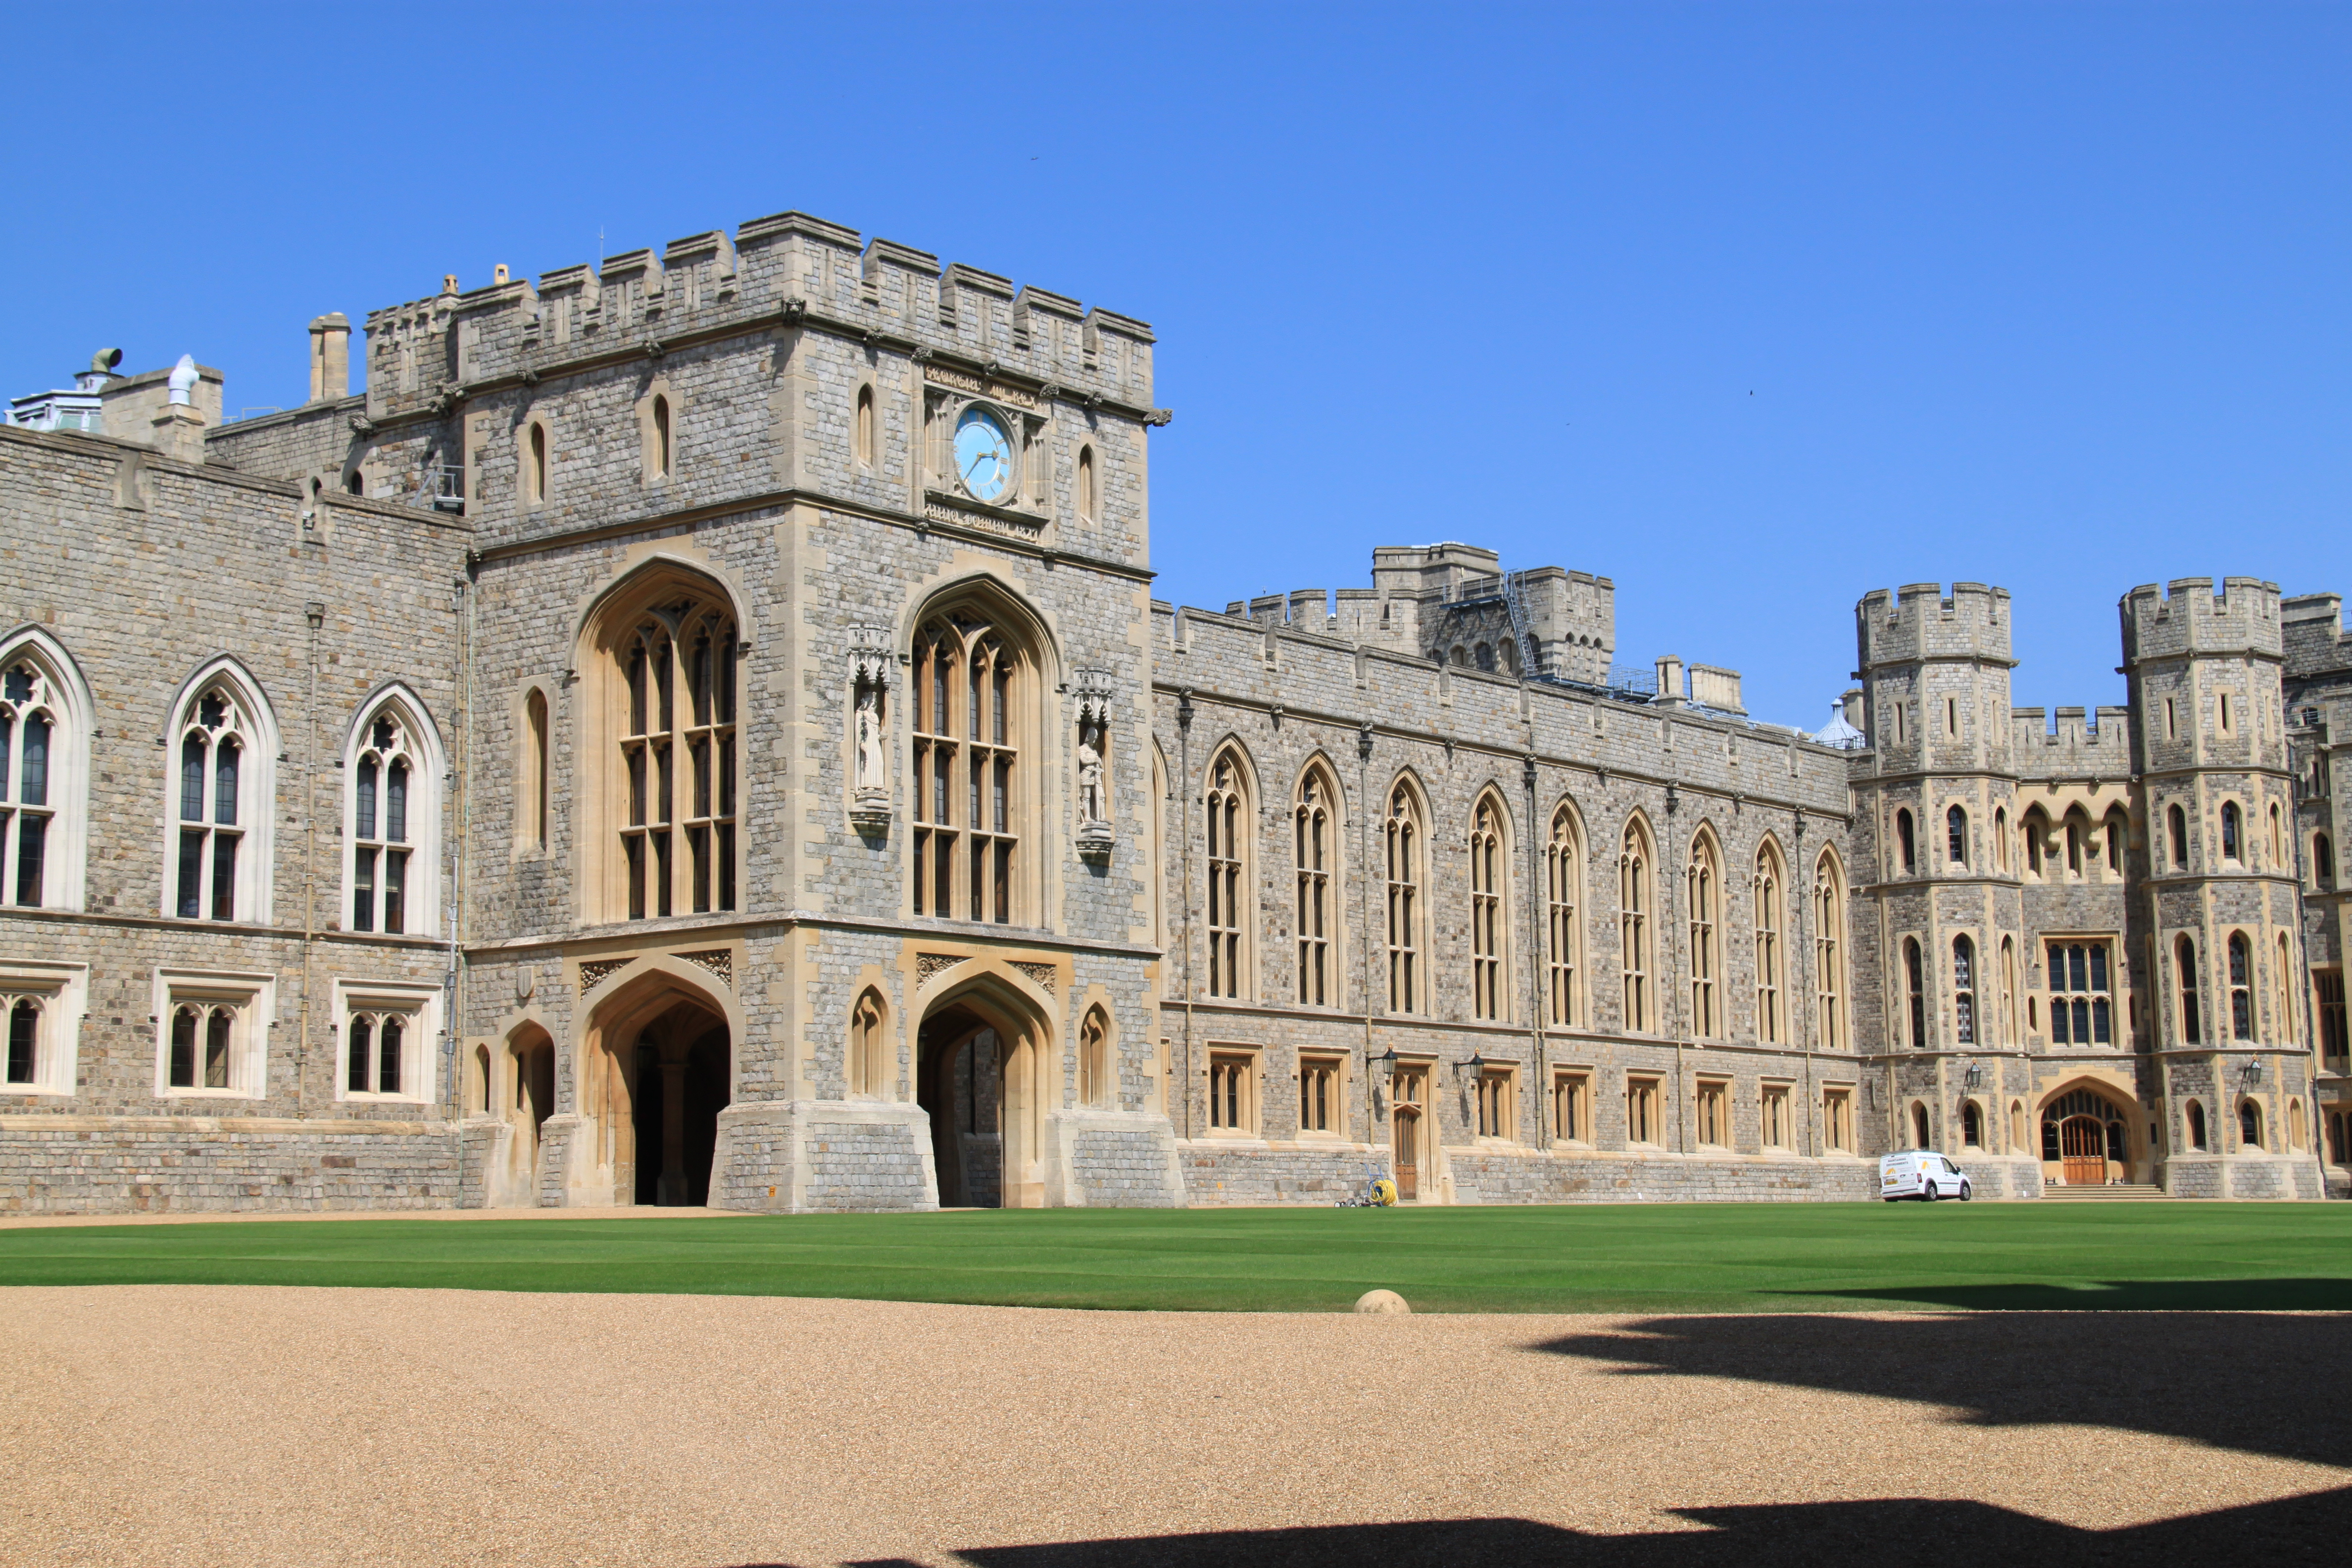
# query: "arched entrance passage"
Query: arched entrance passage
986,1072
2086,1135
658,1071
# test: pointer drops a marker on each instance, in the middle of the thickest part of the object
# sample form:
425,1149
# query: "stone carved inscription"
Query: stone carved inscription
939,374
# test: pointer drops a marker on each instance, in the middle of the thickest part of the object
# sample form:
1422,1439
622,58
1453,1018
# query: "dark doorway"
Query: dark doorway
958,1081
680,1088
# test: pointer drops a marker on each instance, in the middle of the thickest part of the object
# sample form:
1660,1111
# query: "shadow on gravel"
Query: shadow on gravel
2261,1384
2126,1296
1918,1534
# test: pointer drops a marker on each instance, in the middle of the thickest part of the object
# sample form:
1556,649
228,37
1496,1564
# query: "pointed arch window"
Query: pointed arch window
1401,838
1906,846
659,445
2008,1015
2231,831
1636,929
1915,991
869,1067
2323,860
1771,915
1489,897
391,825
1829,952
676,753
221,805
971,702
1314,831
1231,829
1096,1081
1956,836
1964,989
2284,1029
41,750
2192,1031
531,789
2278,839
2036,826
1705,896
1564,932
2242,987
2175,822
2118,835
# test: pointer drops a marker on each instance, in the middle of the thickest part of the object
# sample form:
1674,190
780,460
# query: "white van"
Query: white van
1920,1173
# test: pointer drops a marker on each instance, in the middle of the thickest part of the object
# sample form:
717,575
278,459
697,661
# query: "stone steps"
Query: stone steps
2127,1192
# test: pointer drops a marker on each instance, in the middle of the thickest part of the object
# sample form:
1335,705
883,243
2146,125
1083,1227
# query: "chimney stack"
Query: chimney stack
331,358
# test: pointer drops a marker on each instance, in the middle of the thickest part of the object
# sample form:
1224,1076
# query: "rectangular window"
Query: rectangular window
1233,1092
1321,1108
213,1033
1715,1113
1572,1107
1837,1119
1640,1111
2327,987
41,1007
1497,1103
386,1033
2081,998
1773,1117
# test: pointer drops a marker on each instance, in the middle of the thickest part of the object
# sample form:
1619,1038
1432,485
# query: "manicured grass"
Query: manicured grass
1635,1258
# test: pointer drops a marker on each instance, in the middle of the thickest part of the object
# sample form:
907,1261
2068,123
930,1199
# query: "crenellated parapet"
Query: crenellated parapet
2092,742
2186,617
790,269
1920,621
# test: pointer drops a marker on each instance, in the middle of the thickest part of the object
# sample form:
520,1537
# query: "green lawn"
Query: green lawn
1629,1257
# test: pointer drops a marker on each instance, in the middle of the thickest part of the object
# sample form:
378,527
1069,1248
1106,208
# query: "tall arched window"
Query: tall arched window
1489,899
2009,1034
1563,929
1705,897
1096,1080
1964,989
2242,987
1906,847
971,703
675,753
534,471
869,1067
2118,835
1637,934
1956,836
2278,840
222,800
659,445
1829,952
1401,837
866,426
1770,916
1314,828
2230,847
2177,829
1915,989
2078,828
2035,826
390,821
2192,1031
531,789
2000,838
1231,828
2284,1029
44,773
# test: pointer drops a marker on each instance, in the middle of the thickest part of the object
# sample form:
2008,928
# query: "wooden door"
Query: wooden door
2083,1143
1407,1131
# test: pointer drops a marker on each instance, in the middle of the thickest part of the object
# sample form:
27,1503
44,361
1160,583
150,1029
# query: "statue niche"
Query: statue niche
869,780
1095,835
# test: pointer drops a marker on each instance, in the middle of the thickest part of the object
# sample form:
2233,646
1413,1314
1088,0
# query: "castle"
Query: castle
697,729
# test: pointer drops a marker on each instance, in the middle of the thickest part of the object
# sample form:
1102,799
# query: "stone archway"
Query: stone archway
984,1072
657,1069
2087,1135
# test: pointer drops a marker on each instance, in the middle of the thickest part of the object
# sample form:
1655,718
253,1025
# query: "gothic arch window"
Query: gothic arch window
2231,831
660,717
1914,992
974,708
2250,1122
2323,860
1919,1138
1703,898
869,1067
1490,884
2175,822
1964,989
2116,833
2242,987
2196,1116
2192,1031
392,769
1906,847
2078,830
1972,1125
660,439
1956,836
222,797
44,774
1829,952
1564,930
1403,839
1637,898
2035,827
1771,917
1231,831
1097,1083
1315,833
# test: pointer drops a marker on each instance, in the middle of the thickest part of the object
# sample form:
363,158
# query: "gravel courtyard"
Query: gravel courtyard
245,1425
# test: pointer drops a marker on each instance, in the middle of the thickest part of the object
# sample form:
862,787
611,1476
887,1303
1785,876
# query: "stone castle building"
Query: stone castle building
698,728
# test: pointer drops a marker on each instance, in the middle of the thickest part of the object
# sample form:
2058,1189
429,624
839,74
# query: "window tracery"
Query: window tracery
1770,916
1705,894
224,787
1637,937
1490,885
1563,883
393,853
1829,953
1313,827
1402,837
1230,824
31,724
676,756
969,708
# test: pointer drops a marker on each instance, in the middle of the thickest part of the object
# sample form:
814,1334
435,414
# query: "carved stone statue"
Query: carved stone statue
1090,806
872,765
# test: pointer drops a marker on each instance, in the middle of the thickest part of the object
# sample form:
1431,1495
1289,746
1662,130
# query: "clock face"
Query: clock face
984,455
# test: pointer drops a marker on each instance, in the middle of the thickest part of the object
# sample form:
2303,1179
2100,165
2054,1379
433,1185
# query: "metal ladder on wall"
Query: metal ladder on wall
1514,600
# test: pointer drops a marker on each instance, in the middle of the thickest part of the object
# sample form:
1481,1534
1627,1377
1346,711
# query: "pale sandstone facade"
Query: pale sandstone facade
586,696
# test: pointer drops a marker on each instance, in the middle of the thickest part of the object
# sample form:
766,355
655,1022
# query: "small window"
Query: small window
1919,1138
2175,822
2016,1124
869,1067
1837,1119
534,492
1640,1111
1233,1092
1572,1107
2192,1030
2249,1123
2196,1127
1956,836
2230,830
1321,1108
2226,725
355,483
2116,833
214,1032
1089,496
659,455
2037,833
2001,840
1905,848
1772,1117
1097,1068
2323,860
2335,1041
1715,1113
866,426
533,790
1917,997
1971,1126
2171,720
1952,716
1964,989
2242,987
1497,1102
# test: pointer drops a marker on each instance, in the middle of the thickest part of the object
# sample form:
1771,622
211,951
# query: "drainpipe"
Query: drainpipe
454,903
315,614
1538,934
1184,835
1364,898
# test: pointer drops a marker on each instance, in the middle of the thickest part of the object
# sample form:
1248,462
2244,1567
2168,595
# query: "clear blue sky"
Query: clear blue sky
1753,308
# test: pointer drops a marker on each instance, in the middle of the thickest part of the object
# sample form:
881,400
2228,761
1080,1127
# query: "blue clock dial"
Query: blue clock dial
984,455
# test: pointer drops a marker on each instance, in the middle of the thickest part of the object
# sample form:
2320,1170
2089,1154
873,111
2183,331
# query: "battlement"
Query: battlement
790,267
2186,617
1920,621
2311,628
2090,742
